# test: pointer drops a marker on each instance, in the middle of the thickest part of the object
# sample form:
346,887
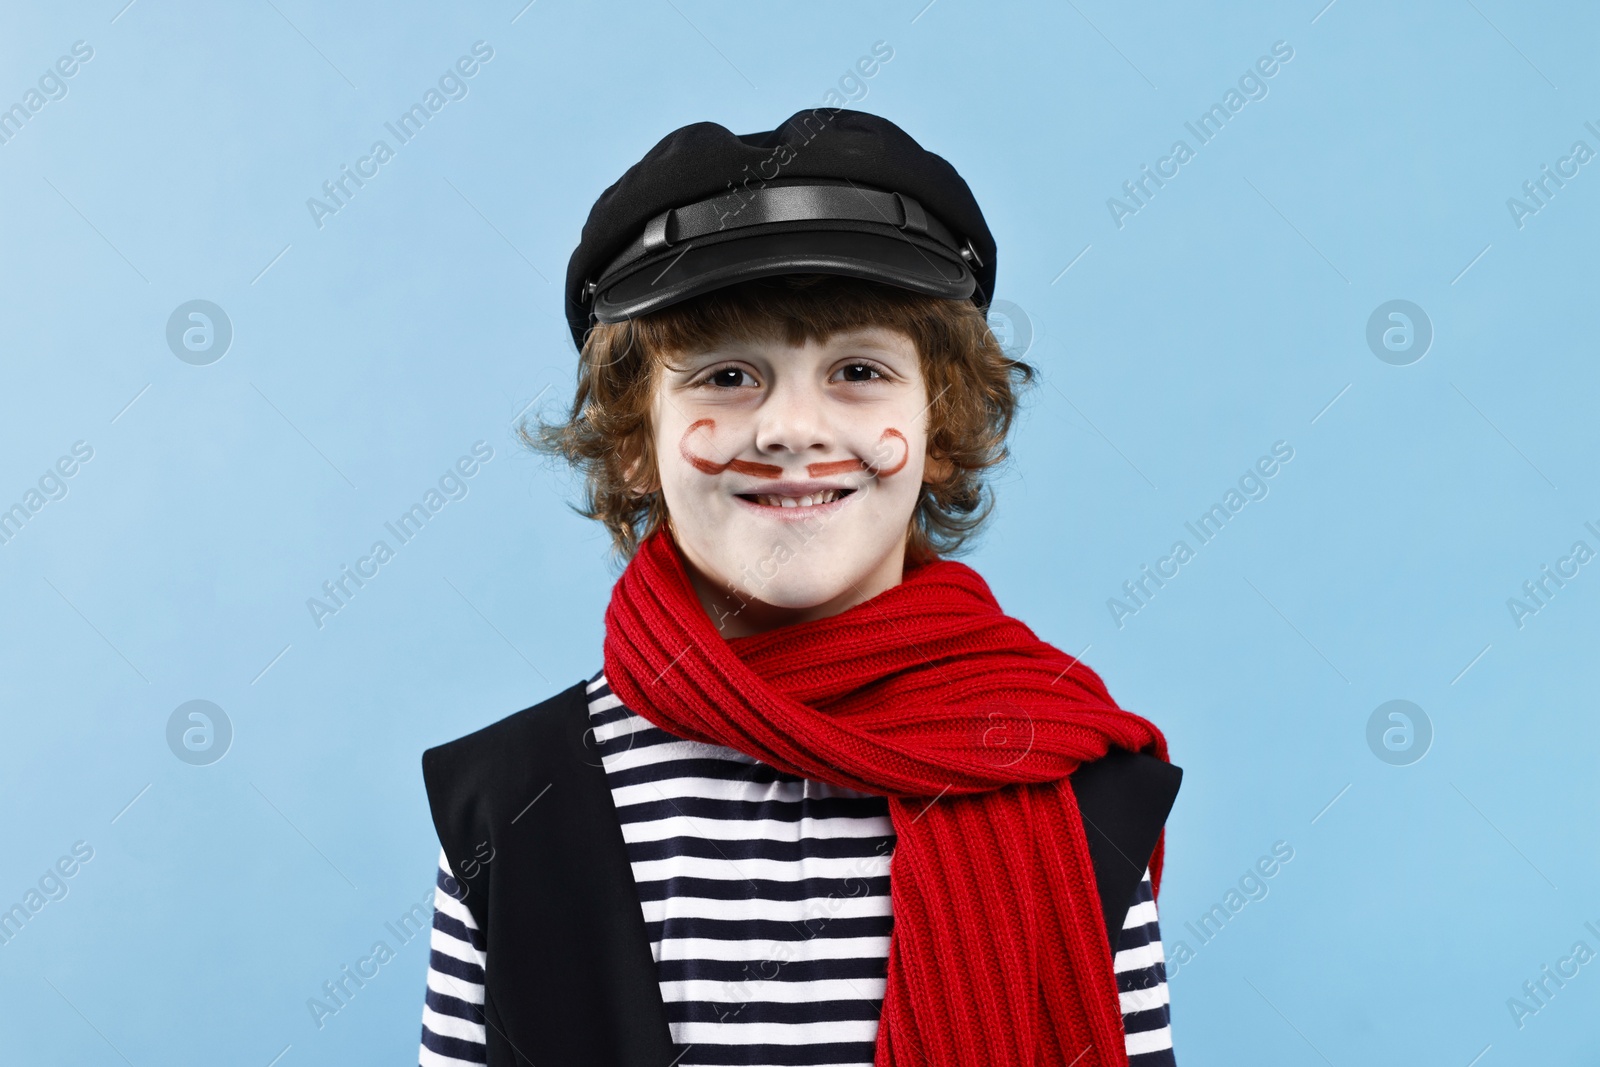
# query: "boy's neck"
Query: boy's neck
736,614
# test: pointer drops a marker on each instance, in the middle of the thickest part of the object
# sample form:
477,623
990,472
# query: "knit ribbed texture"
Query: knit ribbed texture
929,695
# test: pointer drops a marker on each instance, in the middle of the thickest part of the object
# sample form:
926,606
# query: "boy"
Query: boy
788,393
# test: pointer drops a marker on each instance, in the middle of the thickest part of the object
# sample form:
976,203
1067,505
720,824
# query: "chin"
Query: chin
796,595
800,583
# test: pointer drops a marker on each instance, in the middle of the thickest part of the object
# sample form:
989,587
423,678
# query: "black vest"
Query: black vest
525,816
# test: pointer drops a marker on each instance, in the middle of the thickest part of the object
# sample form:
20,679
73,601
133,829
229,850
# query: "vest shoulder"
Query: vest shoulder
1128,794
1124,798
488,753
1121,771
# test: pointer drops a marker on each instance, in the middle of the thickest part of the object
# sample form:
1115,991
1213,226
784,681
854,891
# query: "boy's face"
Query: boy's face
740,426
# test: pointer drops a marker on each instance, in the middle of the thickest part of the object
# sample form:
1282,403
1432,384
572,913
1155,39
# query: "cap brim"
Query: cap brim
697,268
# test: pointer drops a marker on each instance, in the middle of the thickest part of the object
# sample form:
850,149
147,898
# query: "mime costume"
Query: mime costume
621,886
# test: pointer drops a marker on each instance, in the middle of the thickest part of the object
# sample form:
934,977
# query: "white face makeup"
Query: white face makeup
790,473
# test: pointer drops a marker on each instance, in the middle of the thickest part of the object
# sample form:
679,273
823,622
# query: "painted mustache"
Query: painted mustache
769,470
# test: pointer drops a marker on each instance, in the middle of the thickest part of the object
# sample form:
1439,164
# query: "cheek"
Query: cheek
682,454
898,458
892,454
695,439
679,478
670,467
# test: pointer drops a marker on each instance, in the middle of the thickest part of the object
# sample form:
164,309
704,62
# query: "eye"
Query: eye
870,368
729,377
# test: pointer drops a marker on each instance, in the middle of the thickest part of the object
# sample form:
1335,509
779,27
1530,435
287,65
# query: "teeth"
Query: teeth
827,496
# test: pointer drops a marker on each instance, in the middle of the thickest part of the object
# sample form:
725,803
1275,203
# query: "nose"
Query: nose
793,419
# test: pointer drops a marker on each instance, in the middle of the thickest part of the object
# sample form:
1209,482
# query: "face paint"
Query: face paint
838,466
738,466
847,466
905,450
769,470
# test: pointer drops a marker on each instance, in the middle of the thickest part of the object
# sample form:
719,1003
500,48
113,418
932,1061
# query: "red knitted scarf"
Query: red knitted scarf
928,695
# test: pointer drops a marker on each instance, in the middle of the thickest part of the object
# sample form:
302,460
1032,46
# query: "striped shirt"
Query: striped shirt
766,900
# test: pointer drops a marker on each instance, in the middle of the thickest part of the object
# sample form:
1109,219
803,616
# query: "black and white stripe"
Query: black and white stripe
452,1014
766,899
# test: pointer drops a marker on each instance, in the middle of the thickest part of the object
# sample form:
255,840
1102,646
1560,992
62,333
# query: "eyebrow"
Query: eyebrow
867,342
878,339
876,336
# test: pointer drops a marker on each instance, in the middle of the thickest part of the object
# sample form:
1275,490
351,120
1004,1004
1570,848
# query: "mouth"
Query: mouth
810,504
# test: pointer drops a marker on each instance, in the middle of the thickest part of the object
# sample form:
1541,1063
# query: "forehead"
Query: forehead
883,340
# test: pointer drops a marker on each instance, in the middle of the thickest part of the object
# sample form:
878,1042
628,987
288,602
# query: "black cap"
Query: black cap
830,191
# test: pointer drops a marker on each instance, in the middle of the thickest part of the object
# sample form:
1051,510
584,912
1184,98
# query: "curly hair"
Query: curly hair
972,389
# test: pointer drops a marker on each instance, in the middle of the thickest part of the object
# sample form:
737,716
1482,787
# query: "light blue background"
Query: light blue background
370,353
